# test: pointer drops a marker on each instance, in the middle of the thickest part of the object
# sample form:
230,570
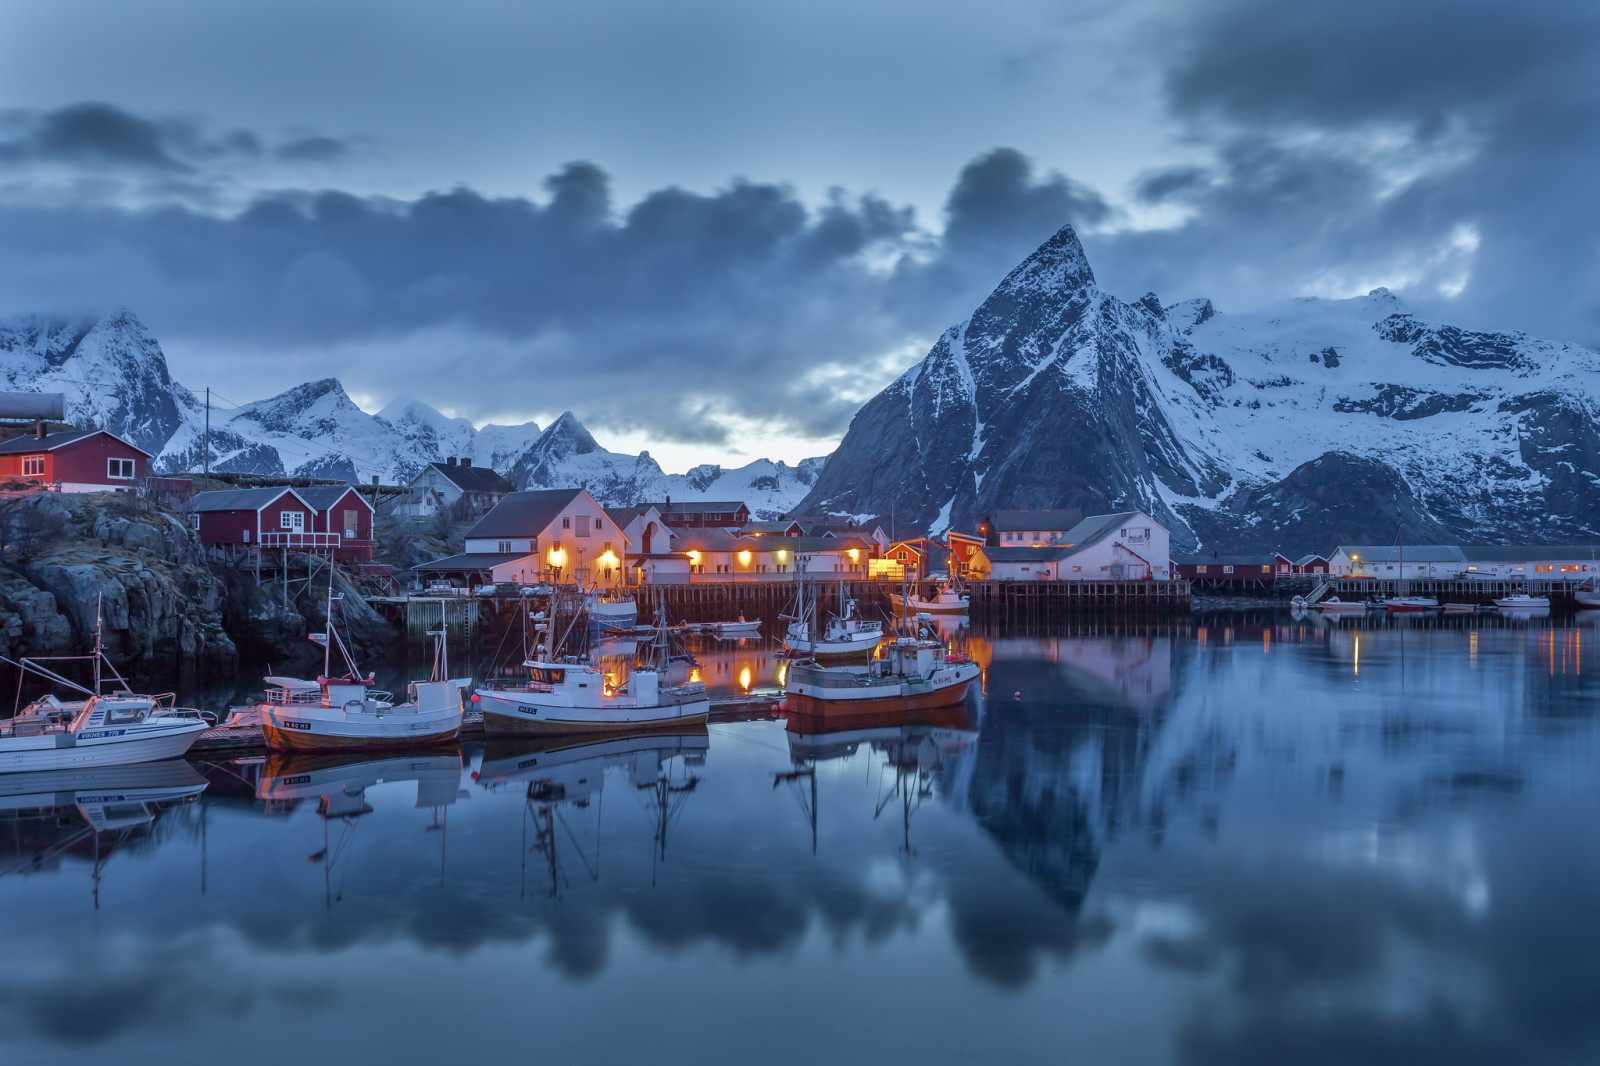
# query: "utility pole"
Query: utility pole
208,432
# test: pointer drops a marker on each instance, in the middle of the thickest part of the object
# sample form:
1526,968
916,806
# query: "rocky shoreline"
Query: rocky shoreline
165,607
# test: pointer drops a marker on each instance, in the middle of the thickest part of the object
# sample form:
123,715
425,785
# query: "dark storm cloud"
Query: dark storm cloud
1384,141
663,316
313,149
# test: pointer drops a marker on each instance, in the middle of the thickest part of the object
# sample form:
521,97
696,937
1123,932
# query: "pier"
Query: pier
1010,601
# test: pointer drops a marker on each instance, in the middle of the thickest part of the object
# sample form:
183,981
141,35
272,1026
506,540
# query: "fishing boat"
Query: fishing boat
569,694
610,610
946,600
1334,605
1400,603
846,634
1587,595
741,628
1522,601
914,674
349,714
340,781
102,729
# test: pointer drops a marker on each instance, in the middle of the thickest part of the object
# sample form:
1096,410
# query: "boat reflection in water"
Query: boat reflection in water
563,783
921,747
91,812
340,782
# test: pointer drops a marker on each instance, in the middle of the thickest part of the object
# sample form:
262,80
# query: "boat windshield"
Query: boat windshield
128,714
546,675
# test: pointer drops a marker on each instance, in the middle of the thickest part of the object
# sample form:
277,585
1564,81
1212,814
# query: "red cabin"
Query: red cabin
332,519
86,460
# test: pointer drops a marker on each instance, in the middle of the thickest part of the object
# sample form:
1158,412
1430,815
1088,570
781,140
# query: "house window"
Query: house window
33,466
1124,533
295,521
351,526
566,523
1264,569
504,547
598,524
1227,569
1200,569
119,468
583,525
1077,569
194,521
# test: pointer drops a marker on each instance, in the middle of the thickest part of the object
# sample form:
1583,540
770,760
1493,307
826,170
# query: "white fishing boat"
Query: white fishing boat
914,674
741,628
611,610
349,713
571,695
1522,602
846,635
341,782
1400,603
946,600
103,729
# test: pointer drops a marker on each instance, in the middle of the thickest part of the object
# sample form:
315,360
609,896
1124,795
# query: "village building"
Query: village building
1015,528
1311,564
910,560
1390,561
543,535
1573,562
82,460
1231,570
966,553
716,555
781,528
332,520
454,484
702,514
1127,546
646,531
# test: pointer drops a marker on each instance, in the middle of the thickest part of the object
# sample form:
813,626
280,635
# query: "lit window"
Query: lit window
1227,569
1200,569
118,468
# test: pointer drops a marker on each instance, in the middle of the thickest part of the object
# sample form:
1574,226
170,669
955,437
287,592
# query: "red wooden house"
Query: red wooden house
85,460
915,557
966,554
334,519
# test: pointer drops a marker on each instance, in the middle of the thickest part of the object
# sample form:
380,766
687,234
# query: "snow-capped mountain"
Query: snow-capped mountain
114,374
1320,421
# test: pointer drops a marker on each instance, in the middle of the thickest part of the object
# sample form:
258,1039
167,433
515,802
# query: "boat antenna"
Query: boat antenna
327,630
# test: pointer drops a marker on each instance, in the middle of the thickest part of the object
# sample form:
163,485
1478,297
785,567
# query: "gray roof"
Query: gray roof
707,539
805,545
472,561
1214,559
1517,553
770,527
697,506
1306,560
524,514
1414,553
1021,553
1092,530
1052,520
473,478
621,516
323,497
51,441
242,499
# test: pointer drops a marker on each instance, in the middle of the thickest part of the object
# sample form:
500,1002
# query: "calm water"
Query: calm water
1218,843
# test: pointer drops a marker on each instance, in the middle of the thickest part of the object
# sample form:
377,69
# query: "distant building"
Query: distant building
1218,568
1311,564
1127,546
335,520
701,514
1572,562
782,528
544,535
439,486
911,559
716,555
1016,528
1386,561
966,556
82,460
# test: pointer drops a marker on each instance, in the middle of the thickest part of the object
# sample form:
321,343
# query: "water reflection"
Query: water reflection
1242,839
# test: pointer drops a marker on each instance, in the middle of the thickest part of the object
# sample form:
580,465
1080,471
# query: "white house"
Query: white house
439,486
1411,561
1127,546
544,535
1573,562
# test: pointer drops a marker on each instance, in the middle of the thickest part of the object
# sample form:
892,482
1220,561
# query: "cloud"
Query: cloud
313,150
680,315
1442,149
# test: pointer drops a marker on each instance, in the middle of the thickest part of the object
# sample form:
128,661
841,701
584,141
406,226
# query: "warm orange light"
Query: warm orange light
557,556
694,557
609,558
744,557
855,554
782,555
744,679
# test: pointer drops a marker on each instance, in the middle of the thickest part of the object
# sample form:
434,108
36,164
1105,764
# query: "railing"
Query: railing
311,540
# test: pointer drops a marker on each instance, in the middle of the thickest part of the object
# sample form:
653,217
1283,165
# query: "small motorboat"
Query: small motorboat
846,635
1409,604
1460,608
1334,605
947,600
1522,601
741,628
1586,597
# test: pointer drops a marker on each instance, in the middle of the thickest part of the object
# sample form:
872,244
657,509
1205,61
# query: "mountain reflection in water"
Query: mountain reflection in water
1209,841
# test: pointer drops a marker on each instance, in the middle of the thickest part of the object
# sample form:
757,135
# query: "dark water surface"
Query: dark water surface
1212,843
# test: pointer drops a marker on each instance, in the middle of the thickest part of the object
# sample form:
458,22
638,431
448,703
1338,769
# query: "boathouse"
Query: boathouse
1215,568
334,520
1311,564
1420,561
966,555
1015,528
81,460
345,515
545,534
1573,562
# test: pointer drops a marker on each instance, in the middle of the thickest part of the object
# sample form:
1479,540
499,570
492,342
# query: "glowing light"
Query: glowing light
782,555
744,679
557,556
694,557
744,557
855,553
609,558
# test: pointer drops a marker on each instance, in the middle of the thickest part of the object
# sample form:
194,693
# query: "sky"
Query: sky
714,229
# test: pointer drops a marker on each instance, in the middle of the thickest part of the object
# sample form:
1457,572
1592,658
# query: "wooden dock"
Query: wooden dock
1010,601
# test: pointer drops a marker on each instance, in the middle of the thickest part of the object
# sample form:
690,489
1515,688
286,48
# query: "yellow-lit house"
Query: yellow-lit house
558,535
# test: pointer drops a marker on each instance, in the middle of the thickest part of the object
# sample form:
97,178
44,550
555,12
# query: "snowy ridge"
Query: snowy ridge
114,375
1317,421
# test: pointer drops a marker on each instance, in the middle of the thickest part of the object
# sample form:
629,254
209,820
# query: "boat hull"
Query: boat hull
289,732
506,722
842,705
913,605
66,751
